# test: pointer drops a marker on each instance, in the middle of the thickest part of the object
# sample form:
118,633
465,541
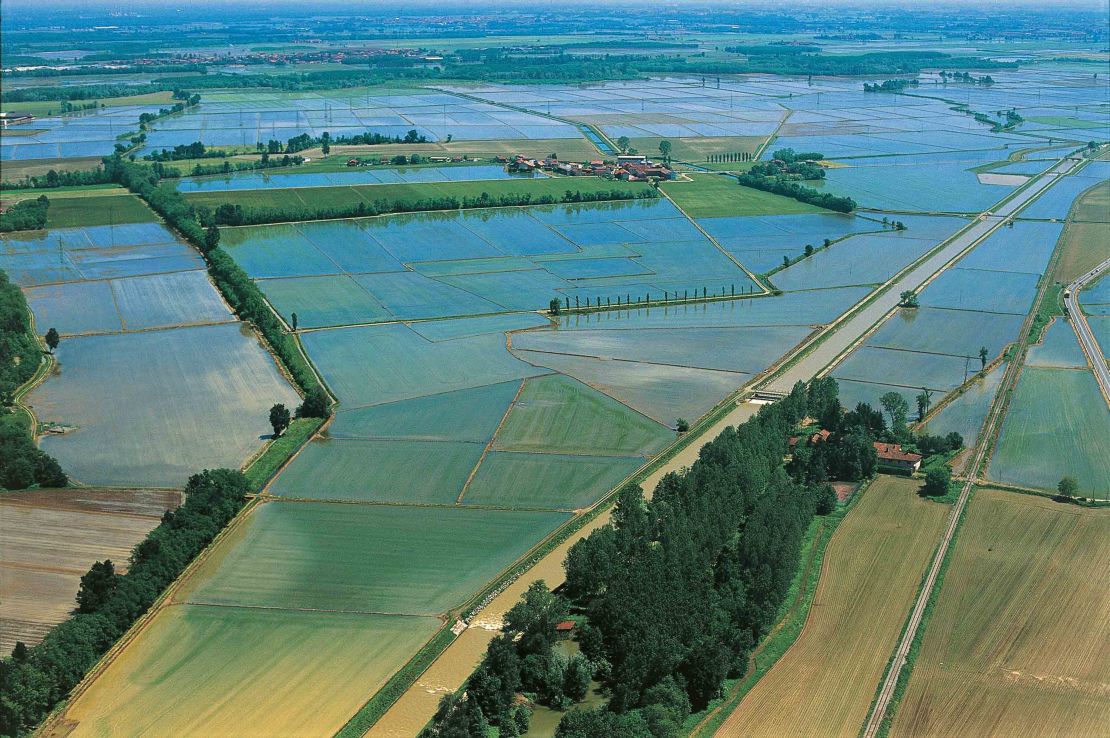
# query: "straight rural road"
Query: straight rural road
850,331
1087,339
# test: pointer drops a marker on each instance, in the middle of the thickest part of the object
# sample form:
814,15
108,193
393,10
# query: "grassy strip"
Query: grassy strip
791,622
269,461
915,647
397,685
339,196
1051,306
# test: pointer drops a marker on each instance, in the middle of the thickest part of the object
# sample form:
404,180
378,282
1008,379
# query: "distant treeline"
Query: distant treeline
26,215
786,188
235,215
34,680
53,179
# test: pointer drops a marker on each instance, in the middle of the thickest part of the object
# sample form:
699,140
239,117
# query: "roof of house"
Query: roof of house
566,625
894,452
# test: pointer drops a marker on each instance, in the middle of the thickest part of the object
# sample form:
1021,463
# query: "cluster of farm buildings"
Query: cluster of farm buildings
892,457
629,167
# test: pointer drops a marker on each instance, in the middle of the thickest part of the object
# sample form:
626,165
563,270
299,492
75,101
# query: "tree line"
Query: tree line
675,592
234,214
53,179
34,680
25,215
786,188
22,463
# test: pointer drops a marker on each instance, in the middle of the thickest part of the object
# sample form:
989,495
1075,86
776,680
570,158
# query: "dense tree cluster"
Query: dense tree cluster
305,141
26,215
235,214
34,680
890,85
786,188
788,164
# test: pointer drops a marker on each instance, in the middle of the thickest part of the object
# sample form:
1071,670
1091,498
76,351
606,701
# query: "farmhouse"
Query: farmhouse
14,119
893,458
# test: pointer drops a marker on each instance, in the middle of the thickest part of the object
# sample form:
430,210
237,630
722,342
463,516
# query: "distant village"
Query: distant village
627,167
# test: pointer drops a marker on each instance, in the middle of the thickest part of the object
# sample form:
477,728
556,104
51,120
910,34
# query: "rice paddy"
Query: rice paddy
365,558
1057,425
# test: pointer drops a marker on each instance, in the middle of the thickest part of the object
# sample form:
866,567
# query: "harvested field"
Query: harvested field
50,538
1019,642
823,685
215,670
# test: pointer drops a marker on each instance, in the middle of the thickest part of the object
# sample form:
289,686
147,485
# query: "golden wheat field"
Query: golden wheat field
1019,643
823,685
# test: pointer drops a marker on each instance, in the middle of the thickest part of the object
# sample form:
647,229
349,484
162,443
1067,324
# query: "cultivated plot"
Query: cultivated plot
825,682
212,670
1018,643
365,558
1057,425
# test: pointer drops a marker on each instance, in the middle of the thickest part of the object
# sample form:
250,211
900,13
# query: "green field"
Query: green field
347,196
1057,425
96,210
200,670
379,470
364,558
549,481
717,196
1019,642
559,414
695,150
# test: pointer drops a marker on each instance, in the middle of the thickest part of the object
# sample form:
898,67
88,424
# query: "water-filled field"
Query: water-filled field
153,407
418,266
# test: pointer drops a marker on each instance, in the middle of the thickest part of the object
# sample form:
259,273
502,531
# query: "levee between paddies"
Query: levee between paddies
823,685
1019,642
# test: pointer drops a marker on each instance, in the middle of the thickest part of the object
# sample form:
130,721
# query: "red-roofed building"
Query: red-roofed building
565,627
892,457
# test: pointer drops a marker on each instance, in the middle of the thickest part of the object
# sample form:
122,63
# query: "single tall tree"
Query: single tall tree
665,150
896,407
1068,487
623,143
52,339
983,356
211,238
279,419
924,400
293,321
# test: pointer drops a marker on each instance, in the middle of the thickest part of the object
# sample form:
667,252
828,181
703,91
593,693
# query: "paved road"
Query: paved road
1095,353
849,332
